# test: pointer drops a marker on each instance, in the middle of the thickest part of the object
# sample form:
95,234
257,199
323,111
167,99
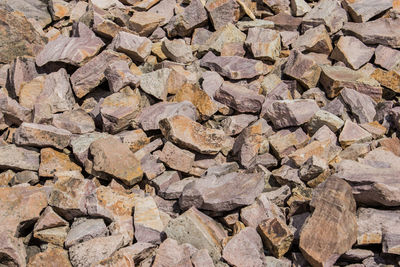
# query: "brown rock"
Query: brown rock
177,50
187,133
90,75
302,68
239,98
234,67
383,31
52,161
276,235
170,253
321,238
136,47
285,22
12,250
22,39
57,257
352,133
335,78
112,158
13,112
76,121
49,219
314,40
352,52
244,249
76,50
40,135
22,70
264,43
286,141
388,58
144,23
389,79
55,236
30,91
362,11
176,158
119,75
222,12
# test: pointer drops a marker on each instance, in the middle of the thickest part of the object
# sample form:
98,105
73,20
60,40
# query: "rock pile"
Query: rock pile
199,133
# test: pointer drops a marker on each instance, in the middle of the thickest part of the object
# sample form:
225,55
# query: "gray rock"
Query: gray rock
13,112
258,23
234,125
362,106
85,229
178,51
174,190
25,177
239,190
314,40
321,118
76,121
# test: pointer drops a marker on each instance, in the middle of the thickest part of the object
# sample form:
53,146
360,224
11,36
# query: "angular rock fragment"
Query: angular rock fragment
314,40
353,133
136,47
176,158
90,75
187,133
362,10
55,255
321,118
119,75
155,83
12,249
299,7
234,125
389,79
178,51
303,69
199,230
18,158
170,253
361,105
321,241
147,221
49,219
38,135
111,158
285,113
386,57
54,236
352,52
222,12
239,98
239,190
285,22
286,141
383,31
13,112
264,43
244,249
233,67
74,50
144,23
276,235
76,121
52,161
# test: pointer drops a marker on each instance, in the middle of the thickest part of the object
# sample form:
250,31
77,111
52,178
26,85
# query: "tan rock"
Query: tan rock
314,40
332,228
353,133
18,158
189,134
30,91
55,236
147,220
144,23
113,158
49,219
76,121
389,79
264,43
57,256
276,235
176,158
52,161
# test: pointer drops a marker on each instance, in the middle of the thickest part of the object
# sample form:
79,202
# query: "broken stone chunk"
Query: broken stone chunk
119,75
362,10
389,79
147,220
387,57
222,12
362,106
155,83
136,47
264,43
76,121
52,161
276,235
144,23
187,133
352,133
177,50
314,40
176,158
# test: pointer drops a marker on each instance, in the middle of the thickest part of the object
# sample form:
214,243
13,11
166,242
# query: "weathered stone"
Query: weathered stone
80,144
382,31
321,118
18,158
389,79
56,97
6,177
201,258
112,158
372,178
165,9
150,116
278,6
352,52
183,24
12,250
170,253
144,23
76,50
299,7
285,22
200,99
303,69
90,75
49,219
264,43
320,240
13,112
40,135
199,230
353,133
176,158
155,83
21,71
276,235
357,254
151,166
119,75
314,40
361,105
55,255
285,113
228,34
286,141
328,13
52,161
386,57
335,78
59,9
233,67
118,110
239,98
189,134
239,190
55,236
94,250
362,11
177,50
222,12
147,221
244,249
234,125
136,139
30,91
259,23
136,47
76,121
22,39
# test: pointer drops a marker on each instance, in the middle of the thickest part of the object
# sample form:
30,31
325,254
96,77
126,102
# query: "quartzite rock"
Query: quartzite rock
170,253
314,40
136,47
147,220
321,241
233,67
352,52
382,31
90,75
276,235
264,43
112,158
187,133
57,256
285,113
239,190
176,158
239,98
388,58
119,75
144,23
74,50
362,106
18,158
364,10
155,83
353,133
222,12
52,161
178,51
389,79
199,230
76,121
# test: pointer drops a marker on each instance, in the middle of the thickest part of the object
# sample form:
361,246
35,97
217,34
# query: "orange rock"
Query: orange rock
52,161
54,255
